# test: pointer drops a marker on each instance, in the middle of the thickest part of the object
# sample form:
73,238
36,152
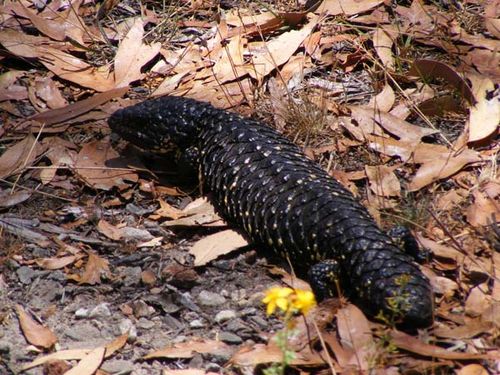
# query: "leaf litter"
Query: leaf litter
397,80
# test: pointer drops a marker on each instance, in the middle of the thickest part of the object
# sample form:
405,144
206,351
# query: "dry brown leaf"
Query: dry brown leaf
484,117
190,348
291,280
484,211
261,353
478,301
19,156
168,211
349,8
61,153
215,245
89,364
64,355
91,167
440,250
436,69
73,69
437,161
94,269
383,181
35,333
230,65
56,263
492,17
51,29
382,42
109,230
8,89
199,212
75,109
270,55
485,62
414,345
370,121
22,44
10,199
384,100
473,328
47,90
355,333
473,369
78,354
133,54
116,345
451,199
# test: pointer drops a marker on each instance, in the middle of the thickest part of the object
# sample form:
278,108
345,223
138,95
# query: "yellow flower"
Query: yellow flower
289,300
304,301
277,297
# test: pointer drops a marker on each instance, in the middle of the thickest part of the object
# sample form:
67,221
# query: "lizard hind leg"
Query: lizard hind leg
324,278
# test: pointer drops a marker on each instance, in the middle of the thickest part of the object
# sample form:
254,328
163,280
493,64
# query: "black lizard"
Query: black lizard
264,184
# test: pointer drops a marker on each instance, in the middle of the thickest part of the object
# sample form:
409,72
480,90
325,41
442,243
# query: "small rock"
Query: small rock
142,309
57,275
197,323
114,366
196,361
256,299
100,311
238,295
213,367
82,313
125,326
84,331
172,322
26,274
207,298
131,275
237,325
135,234
145,323
136,210
260,322
248,311
230,338
224,316
179,339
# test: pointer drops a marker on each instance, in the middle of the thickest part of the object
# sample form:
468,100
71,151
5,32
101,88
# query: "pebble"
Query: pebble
131,275
100,311
230,338
238,295
224,316
263,324
248,311
135,234
26,274
82,313
125,326
84,331
197,323
136,210
142,309
145,323
207,298
114,366
237,325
